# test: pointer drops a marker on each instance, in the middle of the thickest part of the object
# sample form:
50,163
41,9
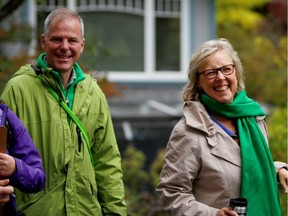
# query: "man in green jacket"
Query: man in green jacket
84,176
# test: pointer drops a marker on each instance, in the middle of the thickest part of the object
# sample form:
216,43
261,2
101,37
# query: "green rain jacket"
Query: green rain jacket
73,185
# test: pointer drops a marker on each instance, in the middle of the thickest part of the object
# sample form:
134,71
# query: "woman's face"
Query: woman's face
222,88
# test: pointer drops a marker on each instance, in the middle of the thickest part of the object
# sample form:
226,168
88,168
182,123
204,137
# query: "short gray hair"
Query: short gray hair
62,13
200,56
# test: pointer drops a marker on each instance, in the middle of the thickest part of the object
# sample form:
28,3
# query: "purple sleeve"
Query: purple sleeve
29,176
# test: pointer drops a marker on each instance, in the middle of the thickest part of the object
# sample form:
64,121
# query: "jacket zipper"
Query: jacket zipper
79,138
67,101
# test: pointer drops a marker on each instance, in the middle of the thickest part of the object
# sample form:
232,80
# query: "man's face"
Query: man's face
63,44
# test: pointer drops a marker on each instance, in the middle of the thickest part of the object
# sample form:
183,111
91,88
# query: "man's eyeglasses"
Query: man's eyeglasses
213,73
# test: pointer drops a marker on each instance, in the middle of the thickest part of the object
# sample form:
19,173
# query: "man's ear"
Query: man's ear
82,45
42,41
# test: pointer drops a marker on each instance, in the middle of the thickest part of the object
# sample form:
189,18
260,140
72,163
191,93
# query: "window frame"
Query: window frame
190,36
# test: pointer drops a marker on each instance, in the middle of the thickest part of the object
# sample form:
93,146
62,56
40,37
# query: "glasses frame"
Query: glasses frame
215,70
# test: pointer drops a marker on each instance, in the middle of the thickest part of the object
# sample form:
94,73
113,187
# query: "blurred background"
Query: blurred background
139,52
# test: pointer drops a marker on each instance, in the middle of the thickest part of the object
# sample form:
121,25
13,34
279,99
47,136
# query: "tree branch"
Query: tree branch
9,7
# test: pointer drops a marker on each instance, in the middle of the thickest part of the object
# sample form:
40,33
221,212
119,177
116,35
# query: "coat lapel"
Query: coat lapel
225,148
222,145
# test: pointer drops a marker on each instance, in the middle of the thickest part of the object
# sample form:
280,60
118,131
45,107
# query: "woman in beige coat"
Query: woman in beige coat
219,149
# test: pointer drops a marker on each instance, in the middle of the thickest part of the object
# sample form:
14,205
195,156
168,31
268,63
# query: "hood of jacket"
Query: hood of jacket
47,77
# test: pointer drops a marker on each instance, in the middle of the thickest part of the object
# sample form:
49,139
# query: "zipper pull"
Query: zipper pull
79,138
67,102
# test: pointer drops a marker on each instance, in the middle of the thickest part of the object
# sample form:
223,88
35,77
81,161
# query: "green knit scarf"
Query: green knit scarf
258,176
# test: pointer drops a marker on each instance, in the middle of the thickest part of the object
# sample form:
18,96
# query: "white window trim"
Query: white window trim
150,74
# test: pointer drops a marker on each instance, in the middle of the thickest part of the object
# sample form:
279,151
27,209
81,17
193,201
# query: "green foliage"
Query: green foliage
266,71
140,198
8,66
277,126
278,133
281,58
239,12
156,167
248,4
133,164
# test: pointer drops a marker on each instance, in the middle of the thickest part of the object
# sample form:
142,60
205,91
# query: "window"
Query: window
167,15
129,36
140,40
115,35
114,41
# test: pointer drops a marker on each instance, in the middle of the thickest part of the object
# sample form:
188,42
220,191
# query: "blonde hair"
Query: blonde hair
200,56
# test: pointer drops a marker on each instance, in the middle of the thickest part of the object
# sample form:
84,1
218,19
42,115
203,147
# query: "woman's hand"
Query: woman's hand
7,165
283,178
5,191
226,212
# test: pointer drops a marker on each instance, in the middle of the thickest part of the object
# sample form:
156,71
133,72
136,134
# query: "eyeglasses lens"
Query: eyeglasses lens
225,70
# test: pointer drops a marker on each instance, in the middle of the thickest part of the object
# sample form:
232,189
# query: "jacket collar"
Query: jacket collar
197,117
222,145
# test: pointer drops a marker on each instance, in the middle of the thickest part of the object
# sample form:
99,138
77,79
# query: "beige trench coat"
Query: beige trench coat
202,166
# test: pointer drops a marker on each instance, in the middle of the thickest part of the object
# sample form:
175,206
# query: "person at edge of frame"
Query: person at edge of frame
20,163
82,179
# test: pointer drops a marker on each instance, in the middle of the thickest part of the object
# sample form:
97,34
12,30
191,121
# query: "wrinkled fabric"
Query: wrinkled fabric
29,176
73,186
255,154
202,165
